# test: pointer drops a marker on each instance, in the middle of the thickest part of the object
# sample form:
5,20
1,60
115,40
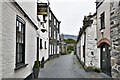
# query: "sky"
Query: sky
71,13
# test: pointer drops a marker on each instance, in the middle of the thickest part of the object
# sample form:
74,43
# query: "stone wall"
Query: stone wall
92,56
115,37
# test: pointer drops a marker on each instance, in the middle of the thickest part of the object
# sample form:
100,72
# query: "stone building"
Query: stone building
109,35
115,37
63,45
54,35
86,47
43,33
103,34
92,55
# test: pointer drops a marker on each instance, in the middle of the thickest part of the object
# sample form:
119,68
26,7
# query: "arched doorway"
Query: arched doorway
105,59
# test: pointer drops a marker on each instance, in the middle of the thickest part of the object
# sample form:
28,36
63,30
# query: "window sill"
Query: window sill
21,66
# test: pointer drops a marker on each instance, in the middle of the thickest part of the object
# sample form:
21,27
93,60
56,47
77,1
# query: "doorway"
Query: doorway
105,59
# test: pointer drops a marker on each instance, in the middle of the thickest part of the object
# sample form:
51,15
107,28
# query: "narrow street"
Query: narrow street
57,39
67,66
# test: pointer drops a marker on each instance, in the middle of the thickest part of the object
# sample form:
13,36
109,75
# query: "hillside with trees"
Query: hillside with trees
70,44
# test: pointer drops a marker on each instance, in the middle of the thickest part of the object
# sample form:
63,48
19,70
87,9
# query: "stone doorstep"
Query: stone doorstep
104,75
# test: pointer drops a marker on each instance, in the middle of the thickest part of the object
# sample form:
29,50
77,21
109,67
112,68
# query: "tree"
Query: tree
70,44
70,41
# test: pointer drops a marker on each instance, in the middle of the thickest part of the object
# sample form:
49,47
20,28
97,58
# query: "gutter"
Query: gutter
98,5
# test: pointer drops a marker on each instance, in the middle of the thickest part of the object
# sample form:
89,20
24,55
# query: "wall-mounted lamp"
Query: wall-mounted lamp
101,31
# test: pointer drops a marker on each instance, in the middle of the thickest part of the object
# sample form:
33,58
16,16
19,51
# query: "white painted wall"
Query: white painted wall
44,1
91,45
82,43
50,49
58,49
30,7
78,48
9,43
0,40
58,46
104,7
44,36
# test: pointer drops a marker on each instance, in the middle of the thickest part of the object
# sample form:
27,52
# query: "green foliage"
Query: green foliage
36,64
97,70
70,47
70,44
90,68
70,41
69,51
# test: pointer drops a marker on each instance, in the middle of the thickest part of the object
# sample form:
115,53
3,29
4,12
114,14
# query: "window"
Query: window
54,21
20,41
111,13
112,22
41,44
92,53
102,20
54,34
51,49
119,3
45,45
44,18
49,31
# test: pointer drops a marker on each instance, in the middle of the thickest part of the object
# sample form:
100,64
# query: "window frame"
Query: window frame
102,21
45,45
21,34
41,47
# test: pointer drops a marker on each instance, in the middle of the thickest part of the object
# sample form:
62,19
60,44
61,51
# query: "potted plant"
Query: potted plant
36,68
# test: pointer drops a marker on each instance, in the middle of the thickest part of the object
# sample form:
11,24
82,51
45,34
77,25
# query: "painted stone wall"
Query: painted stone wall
92,56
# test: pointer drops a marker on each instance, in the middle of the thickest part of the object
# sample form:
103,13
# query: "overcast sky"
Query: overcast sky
71,13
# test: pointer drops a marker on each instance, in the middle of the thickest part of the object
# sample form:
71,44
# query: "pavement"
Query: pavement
67,66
